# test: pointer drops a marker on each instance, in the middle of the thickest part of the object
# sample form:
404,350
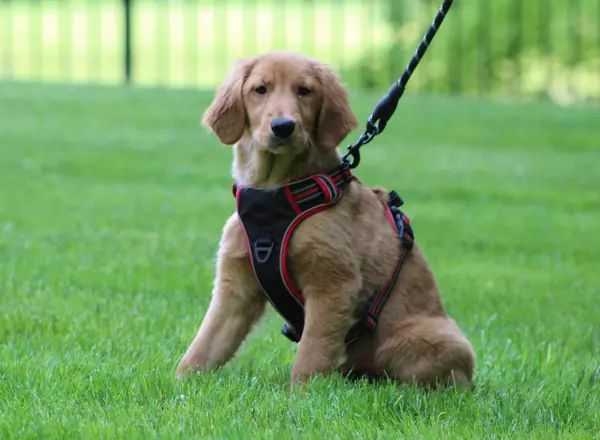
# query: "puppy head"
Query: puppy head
284,102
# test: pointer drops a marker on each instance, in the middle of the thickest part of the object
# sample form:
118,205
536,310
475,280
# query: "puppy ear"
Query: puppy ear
336,118
226,115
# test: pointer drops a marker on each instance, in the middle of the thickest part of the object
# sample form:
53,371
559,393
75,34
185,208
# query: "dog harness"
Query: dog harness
269,218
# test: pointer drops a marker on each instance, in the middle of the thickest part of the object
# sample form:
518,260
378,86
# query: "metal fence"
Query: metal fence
513,48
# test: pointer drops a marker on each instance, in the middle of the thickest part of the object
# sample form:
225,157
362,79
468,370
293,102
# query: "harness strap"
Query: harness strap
373,310
370,316
301,192
268,219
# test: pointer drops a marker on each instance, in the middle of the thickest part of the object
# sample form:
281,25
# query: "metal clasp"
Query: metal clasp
263,248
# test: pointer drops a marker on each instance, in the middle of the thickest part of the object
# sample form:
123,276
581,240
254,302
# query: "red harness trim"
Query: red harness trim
326,189
307,193
292,200
283,262
384,293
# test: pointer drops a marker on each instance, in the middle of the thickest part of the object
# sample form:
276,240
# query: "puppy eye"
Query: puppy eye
303,91
261,90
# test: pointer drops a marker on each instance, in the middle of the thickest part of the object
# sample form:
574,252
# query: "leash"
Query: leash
386,106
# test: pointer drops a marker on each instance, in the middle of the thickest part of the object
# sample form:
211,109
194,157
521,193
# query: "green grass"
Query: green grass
112,202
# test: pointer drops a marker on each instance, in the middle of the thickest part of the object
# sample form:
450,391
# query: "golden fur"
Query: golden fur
338,257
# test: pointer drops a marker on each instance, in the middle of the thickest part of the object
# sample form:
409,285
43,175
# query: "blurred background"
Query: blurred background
530,49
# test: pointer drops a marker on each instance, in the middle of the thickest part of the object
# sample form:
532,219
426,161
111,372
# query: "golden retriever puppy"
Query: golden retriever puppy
285,115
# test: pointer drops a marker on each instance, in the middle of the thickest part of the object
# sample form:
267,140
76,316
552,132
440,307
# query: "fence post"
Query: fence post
127,37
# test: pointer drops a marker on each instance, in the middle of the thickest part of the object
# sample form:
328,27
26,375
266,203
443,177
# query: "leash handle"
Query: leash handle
387,105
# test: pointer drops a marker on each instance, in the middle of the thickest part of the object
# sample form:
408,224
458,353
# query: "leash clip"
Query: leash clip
370,132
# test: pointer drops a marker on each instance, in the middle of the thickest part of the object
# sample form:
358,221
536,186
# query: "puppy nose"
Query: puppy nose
282,128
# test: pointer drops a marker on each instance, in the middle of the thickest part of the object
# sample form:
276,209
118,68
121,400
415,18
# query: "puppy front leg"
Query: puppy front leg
236,305
328,318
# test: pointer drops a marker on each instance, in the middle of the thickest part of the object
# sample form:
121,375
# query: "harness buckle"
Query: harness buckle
395,199
289,332
398,219
263,248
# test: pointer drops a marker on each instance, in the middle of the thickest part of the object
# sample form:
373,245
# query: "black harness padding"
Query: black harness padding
269,218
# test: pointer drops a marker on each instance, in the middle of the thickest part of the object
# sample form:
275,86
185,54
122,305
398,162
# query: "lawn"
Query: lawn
112,201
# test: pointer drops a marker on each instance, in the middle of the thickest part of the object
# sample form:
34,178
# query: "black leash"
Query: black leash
386,107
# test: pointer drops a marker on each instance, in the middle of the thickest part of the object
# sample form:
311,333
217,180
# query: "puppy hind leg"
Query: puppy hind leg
429,351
